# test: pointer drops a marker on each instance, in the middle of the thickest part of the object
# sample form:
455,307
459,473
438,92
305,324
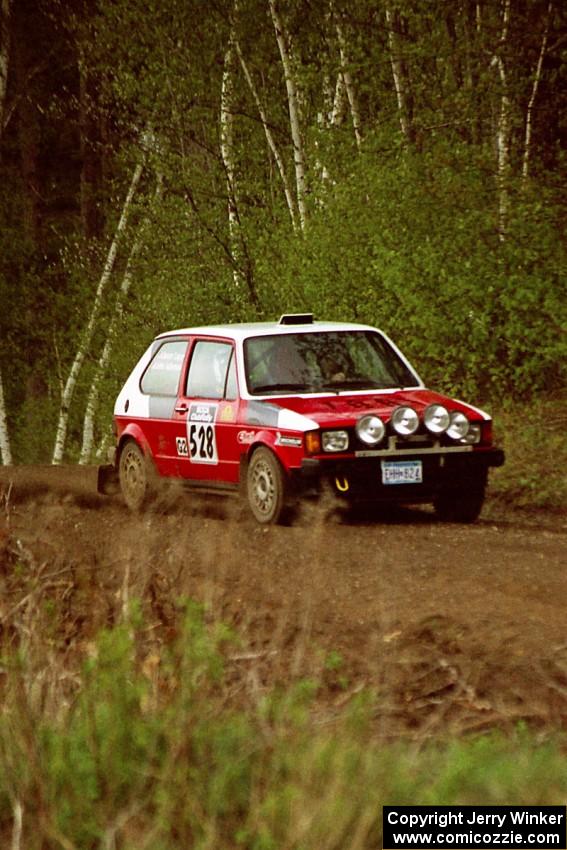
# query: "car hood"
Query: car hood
335,410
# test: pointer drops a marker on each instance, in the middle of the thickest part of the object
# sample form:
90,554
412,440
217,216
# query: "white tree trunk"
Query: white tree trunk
503,130
269,137
86,339
349,85
332,116
227,155
336,114
401,84
104,359
293,107
535,86
5,451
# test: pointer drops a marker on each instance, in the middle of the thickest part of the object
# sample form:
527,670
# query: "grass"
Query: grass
151,747
534,437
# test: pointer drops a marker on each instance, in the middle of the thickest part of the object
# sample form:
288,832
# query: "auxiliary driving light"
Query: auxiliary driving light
459,427
370,430
436,418
405,421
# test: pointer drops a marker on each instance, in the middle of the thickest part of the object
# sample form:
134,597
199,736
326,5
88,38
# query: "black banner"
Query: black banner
474,826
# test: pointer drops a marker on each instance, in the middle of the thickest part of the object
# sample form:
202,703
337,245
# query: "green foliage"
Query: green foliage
401,232
533,436
149,751
407,246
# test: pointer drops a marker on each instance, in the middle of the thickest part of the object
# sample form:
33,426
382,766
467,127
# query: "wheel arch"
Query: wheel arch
268,444
135,434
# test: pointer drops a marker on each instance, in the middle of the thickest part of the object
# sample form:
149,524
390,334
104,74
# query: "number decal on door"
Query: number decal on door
201,433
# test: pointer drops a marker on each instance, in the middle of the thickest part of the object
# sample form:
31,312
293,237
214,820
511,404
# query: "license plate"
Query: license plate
402,472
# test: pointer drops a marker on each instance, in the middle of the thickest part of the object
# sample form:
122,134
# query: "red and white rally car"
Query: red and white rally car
275,410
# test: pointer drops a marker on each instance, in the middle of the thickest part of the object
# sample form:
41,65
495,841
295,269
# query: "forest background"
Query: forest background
170,163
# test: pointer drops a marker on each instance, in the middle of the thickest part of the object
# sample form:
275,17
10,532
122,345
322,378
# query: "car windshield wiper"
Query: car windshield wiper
283,387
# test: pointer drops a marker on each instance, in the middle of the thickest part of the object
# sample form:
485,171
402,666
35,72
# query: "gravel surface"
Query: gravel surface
454,627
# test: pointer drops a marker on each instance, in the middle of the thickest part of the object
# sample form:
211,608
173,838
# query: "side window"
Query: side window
162,375
208,369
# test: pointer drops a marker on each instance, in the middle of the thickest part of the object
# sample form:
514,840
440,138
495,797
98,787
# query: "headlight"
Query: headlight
334,441
405,421
437,418
370,430
473,435
459,427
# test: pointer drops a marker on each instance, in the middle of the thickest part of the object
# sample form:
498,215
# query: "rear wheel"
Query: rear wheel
266,487
135,476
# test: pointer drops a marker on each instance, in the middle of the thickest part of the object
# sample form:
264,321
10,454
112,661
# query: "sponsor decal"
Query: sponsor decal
202,413
227,414
245,437
201,433
283,440
182,448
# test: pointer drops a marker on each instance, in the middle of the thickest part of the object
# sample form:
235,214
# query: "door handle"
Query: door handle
181,408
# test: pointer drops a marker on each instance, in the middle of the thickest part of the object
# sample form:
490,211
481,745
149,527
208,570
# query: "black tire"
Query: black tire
458,505
135,475
266,487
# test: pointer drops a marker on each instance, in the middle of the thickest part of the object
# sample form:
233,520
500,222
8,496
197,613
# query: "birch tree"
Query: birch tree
400,75
89,329
348,82
241,263
332,115
269,136
5,450
227,155
299,158
503,129
111,332
533,94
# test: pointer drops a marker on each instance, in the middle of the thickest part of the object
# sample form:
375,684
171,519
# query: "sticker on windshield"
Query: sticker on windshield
201,433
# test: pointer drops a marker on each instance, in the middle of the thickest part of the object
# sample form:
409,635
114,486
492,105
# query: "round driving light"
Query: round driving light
370,430
459,427
405,421
437,418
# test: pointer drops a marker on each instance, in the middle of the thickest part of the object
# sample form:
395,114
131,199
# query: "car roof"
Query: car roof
243,331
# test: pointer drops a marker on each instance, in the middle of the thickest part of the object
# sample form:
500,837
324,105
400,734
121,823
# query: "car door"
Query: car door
206,414
159,388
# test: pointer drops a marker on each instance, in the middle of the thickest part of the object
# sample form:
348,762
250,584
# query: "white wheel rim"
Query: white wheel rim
134,478
263,488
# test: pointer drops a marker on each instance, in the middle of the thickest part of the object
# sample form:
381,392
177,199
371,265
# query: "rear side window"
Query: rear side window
162,375
207,377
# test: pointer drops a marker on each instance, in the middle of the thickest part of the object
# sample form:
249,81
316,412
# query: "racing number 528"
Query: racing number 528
202,442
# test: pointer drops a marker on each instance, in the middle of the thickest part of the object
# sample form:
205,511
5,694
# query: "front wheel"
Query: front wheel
266,487
135,477
459,506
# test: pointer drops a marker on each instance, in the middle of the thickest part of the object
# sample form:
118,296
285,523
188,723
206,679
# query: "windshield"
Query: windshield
332,361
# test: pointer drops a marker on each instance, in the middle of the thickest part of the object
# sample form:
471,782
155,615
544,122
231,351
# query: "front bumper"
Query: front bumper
360,478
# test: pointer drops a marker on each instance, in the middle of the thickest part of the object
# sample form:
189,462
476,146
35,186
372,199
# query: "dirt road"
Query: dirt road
454,627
